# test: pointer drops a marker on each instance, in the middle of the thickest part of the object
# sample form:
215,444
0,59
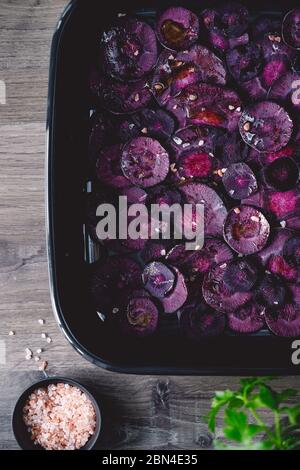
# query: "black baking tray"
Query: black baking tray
70,250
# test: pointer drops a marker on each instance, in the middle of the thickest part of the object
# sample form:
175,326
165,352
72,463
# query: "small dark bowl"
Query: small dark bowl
20,431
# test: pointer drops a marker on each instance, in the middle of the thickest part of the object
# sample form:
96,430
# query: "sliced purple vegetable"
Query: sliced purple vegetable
275,244
176,299
158,279
230,148
129,49
291,250
199,320
277,264
275,68
286,90
246,230
194,164
266,126
175,71
108,167
285,321
271,292
282,174
244,62
124,97
134,194
265,24
214,209
218,295
140,318
255,89
177,28
225,24
248,319
148,122
194,138
240,275
208,105
145,162
291,28
273,46
239,181
154,251
163,195
284,204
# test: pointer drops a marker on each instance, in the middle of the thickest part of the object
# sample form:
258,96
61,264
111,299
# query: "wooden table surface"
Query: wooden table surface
144,412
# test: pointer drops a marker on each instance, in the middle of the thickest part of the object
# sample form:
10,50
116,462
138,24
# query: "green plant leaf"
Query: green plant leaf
293,413
268,397
285,394
220,399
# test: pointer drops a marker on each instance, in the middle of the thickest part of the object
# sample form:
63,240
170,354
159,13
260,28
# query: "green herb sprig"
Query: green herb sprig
244,424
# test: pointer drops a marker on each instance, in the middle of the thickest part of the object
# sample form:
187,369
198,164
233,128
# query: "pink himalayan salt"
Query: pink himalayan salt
59,417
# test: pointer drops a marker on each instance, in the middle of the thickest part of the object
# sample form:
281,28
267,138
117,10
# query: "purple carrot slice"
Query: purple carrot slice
225,25
218,295
199,321
177,28
248,319
108,167
158,279
246,230
129,49
124,97
140,317
266,126
145,162
240,275
282,174
291,28
285,321
271,292
214,209
286,90
244,62
207,105
178,296
239,181
148,122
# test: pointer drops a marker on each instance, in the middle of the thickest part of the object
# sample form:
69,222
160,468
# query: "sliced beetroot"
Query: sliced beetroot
286,90
248,319
114,275
291,28
273,46
129,49
240,275
178,296
140,318
177,28
194,138
145,162
214,209
199,320
178,255
291,250
218,295
208,105
158,279
271,292
124,97
214,252
277,264
154,250
193,164
246,230
230,148
225,24
175,71
283,204
266,126
255,89
275,68
244,62
285,321
108,167
147,122
239,181
275,244
282,174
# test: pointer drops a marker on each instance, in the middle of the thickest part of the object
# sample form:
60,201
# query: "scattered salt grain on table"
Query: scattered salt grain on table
59,417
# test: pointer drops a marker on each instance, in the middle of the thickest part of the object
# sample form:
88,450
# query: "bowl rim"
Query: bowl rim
54,380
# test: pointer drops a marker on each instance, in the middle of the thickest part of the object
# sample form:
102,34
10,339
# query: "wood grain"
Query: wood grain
141,412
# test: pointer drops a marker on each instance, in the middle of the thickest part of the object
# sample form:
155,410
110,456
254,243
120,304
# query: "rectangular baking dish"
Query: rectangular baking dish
70,251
